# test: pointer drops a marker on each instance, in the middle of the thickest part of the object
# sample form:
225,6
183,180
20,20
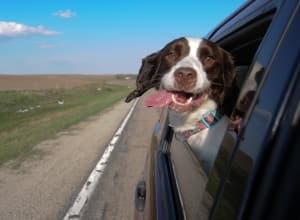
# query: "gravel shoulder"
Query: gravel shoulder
44,186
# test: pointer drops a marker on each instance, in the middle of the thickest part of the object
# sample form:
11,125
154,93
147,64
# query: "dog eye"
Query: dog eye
210,58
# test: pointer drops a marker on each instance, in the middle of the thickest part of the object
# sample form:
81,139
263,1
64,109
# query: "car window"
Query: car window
197,172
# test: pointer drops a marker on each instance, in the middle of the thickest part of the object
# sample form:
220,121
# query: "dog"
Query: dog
246,97
194,78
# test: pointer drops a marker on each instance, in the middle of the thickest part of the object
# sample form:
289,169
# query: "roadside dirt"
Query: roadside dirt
39,82
46,183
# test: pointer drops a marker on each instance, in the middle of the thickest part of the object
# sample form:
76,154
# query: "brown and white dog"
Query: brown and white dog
193,77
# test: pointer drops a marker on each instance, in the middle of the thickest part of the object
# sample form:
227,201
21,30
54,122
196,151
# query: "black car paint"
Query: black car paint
263,116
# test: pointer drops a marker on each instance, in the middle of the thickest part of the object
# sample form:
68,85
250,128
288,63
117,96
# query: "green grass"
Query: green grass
21,131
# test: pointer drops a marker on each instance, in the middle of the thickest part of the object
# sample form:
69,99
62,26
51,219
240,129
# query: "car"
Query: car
254,173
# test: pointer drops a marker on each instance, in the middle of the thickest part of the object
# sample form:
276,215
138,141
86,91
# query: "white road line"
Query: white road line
76,210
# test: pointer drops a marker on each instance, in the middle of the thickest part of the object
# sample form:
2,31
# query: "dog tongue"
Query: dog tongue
159,99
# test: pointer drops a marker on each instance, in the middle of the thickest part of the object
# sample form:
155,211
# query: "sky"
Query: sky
97,36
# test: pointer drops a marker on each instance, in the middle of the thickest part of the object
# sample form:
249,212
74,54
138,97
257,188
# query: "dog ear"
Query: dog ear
230,91
228,68
147,77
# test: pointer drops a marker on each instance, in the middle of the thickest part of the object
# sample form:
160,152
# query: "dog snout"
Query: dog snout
185,78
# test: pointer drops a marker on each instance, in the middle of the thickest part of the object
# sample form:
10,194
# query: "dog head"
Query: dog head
187,67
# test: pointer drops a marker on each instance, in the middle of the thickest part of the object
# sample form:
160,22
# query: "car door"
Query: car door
198,179
217,188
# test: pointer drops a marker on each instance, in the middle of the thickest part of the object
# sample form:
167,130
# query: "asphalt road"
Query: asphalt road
114,197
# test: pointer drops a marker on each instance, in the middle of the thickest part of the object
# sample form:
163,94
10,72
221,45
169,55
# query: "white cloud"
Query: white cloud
65,13
13,29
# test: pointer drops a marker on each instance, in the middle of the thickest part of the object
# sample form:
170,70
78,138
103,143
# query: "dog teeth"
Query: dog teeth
180,103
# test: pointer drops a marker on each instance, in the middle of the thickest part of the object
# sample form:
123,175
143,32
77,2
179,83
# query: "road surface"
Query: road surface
114,196
46,184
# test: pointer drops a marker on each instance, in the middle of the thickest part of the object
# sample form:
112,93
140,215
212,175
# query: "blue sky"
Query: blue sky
97,36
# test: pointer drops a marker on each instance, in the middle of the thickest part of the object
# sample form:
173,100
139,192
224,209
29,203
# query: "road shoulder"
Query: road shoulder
46,183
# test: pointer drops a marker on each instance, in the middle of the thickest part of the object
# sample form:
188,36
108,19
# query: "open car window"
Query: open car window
193,164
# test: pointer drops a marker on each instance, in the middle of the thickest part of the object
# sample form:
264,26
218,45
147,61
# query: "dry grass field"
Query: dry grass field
39,82
34,108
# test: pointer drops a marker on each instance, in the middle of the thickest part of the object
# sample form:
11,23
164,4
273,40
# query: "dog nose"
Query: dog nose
185,78
185,74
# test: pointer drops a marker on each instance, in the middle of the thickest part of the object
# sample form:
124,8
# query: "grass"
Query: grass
21,131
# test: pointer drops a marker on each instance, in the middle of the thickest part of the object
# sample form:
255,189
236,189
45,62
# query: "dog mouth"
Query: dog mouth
177,100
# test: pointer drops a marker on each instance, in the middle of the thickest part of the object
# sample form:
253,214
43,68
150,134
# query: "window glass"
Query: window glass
190,176
262,101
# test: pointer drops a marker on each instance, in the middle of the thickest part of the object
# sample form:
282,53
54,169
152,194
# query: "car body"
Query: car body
254,173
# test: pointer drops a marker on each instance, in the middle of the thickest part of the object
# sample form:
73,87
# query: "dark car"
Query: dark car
255,172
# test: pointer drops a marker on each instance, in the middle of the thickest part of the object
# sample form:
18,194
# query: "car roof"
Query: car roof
246,13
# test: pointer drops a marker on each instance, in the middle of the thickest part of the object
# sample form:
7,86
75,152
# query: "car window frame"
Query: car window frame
162,153
273,40
161,156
